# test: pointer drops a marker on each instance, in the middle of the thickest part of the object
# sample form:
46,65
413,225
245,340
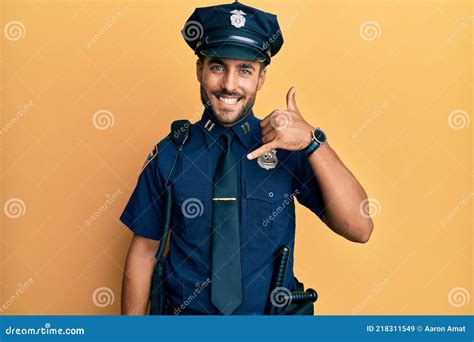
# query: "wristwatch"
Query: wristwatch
319,138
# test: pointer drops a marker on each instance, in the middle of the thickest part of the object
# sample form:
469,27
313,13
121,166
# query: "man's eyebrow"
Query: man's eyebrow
216,61
246,66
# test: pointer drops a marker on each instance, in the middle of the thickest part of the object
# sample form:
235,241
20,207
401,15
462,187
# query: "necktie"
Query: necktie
226,285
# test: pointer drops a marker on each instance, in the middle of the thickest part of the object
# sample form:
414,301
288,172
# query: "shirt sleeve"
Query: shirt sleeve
307,190
144,212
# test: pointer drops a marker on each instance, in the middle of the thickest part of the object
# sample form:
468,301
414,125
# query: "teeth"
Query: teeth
228,100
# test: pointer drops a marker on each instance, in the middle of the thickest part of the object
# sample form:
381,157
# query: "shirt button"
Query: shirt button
270,194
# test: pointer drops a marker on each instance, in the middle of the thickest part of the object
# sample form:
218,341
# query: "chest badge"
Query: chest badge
237,18
268,161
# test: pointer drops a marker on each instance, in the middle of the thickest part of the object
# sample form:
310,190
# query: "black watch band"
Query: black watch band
319,138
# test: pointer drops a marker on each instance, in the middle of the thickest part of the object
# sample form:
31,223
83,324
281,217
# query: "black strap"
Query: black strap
179,135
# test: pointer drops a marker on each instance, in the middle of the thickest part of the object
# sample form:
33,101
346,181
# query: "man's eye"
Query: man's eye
217,67
246,72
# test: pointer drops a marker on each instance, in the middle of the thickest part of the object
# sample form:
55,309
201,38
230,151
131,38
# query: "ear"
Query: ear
199,66
261,78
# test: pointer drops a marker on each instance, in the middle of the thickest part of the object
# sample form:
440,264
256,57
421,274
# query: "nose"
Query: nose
229,83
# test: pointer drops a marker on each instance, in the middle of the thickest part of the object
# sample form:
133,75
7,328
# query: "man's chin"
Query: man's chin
227,117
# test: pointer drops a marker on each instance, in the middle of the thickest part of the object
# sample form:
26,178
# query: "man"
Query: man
234,180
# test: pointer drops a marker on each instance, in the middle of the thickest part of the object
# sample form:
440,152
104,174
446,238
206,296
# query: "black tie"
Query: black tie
226,286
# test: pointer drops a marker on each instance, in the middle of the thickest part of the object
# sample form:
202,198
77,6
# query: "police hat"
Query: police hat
233,31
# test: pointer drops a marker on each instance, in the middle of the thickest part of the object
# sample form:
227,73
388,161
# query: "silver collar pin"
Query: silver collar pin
245,127
209,125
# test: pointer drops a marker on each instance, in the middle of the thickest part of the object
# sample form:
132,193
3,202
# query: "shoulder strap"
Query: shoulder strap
179,135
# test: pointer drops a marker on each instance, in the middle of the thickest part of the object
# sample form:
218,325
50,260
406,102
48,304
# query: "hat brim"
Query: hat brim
235,52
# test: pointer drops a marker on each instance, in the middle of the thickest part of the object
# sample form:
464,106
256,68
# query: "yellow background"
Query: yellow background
385,104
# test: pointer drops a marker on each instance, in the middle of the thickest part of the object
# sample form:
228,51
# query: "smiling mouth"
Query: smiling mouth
228,100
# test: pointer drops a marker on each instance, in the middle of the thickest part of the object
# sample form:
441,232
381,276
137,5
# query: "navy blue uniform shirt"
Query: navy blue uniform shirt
267,212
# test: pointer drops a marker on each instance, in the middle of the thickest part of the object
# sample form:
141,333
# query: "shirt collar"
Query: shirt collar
247,129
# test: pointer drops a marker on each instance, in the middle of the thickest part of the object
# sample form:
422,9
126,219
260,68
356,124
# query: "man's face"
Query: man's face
229,86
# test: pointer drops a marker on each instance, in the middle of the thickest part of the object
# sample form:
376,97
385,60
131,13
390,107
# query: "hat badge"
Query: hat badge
237,18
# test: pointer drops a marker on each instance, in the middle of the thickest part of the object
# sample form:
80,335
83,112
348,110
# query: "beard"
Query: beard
244,111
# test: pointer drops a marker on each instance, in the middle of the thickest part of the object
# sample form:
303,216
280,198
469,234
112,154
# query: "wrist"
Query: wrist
308,136
318,138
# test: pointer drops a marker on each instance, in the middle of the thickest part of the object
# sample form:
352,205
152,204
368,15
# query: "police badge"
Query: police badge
237,18
268,161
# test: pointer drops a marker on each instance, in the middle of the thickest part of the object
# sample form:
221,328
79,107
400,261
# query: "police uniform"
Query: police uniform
266,187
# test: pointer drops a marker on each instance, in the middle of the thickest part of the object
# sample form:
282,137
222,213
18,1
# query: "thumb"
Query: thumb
291,99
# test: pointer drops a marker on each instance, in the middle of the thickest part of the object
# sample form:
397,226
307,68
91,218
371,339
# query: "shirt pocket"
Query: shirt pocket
191,211
263,215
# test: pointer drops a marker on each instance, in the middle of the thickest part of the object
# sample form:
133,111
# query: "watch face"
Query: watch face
319,135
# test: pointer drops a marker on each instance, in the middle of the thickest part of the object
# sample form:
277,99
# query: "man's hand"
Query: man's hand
284,129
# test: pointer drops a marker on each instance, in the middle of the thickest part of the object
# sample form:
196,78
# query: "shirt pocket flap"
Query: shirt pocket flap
191,202
268,190
186,192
